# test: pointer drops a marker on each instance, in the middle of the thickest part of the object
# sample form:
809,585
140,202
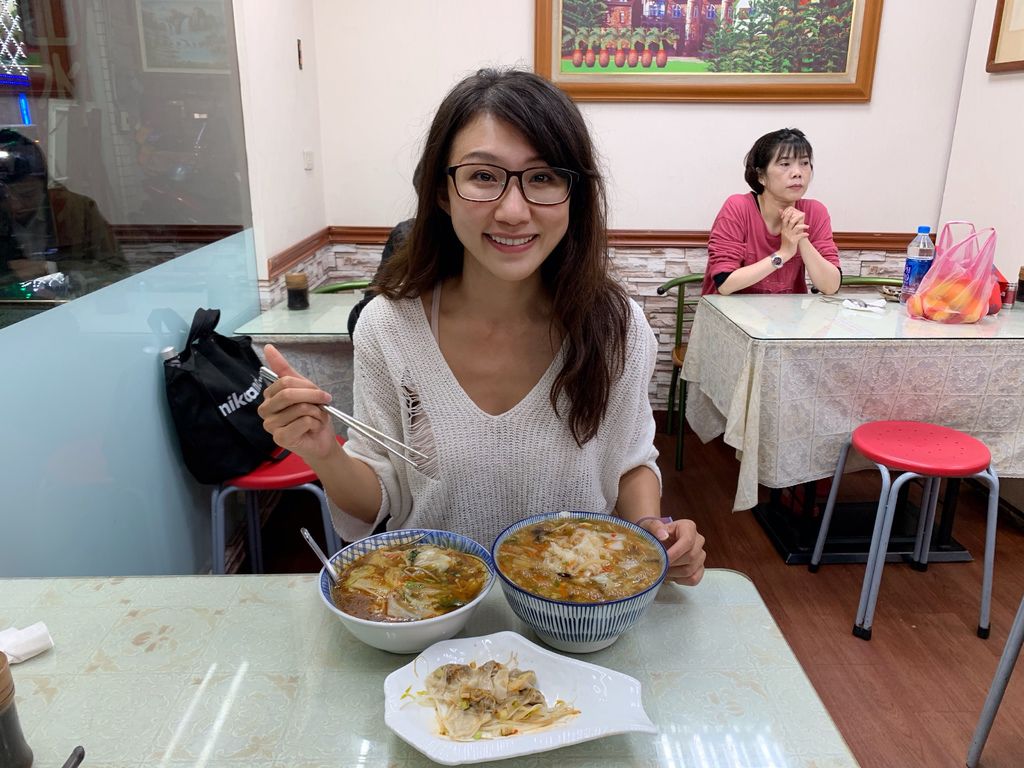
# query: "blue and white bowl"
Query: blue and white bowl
406,636
572,626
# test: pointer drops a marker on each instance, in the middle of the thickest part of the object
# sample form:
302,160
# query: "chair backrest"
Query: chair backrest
684,304
871,280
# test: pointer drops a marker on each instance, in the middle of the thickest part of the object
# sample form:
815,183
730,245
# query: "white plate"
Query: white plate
609,701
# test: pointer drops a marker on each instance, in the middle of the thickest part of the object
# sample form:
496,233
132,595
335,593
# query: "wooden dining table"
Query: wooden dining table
255,671
784,379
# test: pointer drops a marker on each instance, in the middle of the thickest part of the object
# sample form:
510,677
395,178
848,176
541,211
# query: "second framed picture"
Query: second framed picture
709,50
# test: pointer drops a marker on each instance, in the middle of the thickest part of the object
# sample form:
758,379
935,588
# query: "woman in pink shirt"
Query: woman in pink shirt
763,242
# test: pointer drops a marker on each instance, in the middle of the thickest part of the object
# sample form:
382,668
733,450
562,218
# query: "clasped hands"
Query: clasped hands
793,232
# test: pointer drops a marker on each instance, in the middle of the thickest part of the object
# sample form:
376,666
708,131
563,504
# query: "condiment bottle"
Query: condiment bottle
14,751
298,290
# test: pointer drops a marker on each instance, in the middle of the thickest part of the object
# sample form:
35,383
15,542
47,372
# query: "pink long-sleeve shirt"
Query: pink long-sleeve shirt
739,237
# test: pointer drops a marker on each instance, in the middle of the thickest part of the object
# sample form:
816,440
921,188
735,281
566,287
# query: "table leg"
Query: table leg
793,529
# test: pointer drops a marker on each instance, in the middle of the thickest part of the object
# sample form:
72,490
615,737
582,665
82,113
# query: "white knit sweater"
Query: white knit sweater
485,472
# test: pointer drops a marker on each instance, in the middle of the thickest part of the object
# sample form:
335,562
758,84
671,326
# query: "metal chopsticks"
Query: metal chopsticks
386,442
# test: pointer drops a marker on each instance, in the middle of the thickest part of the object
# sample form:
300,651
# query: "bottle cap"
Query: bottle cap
167,353
296,280
923,230
6,682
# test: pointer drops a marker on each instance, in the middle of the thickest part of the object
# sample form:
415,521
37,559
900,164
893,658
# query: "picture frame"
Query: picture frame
1006,46
697,63
185,36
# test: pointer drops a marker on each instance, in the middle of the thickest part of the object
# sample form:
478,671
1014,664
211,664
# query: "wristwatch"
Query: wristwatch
777,260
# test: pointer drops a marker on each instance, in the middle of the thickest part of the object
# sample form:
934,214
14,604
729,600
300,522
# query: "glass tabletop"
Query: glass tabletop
809,316
327,316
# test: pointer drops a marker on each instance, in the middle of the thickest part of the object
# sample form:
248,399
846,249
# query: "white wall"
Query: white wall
985,169
881,165
282,119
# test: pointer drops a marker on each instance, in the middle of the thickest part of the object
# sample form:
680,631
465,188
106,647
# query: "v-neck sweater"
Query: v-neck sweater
485,471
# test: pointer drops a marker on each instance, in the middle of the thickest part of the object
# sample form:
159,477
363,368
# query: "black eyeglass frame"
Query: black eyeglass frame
572,176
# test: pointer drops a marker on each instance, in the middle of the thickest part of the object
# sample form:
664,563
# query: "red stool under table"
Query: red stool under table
916,449
289,474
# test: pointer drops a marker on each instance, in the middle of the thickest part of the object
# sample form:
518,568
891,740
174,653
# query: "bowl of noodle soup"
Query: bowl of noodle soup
578,579
404,590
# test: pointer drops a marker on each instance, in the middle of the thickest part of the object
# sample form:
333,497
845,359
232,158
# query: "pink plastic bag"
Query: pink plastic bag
958,286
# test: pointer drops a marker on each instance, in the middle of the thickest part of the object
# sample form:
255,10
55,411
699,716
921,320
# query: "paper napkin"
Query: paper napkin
22,644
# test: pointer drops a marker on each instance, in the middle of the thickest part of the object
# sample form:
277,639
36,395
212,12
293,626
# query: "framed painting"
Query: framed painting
188,36
1006,47
709,50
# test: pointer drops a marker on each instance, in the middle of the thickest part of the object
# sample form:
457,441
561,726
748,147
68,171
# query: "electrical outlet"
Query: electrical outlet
307,159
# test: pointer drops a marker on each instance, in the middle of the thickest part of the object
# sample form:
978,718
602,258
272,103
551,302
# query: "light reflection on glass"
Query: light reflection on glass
222,715
186,718
734,746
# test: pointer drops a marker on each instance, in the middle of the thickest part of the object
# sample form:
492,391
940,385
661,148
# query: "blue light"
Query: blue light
15,81
26,116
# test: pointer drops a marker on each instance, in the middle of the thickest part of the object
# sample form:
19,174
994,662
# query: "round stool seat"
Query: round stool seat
277,475
917,446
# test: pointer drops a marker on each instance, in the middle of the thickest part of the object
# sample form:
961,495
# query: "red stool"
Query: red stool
917,449
289,474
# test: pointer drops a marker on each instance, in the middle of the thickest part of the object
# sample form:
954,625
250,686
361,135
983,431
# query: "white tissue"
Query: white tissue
873,305
22,644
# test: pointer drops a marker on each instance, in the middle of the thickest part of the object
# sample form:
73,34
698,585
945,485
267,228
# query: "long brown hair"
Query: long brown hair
590,308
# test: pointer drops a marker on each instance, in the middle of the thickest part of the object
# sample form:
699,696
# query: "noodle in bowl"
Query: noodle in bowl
581,621
408,636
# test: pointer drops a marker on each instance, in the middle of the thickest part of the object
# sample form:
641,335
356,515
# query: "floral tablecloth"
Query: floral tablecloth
786,379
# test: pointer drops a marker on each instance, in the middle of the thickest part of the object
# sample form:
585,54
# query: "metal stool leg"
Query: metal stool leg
876,560
217,504
331,536
826,516
1011,651
991,479
926,525
253,534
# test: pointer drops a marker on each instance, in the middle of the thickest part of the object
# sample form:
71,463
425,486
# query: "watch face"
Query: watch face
776,261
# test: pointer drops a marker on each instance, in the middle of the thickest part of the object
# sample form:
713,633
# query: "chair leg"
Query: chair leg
333,542
990,478
672,400
826,516
1011,651
217,504
679,436
876,559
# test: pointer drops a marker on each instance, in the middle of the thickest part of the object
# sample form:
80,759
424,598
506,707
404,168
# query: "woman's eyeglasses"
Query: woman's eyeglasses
483,183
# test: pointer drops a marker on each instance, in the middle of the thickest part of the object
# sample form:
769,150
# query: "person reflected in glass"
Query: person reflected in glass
773,238
47,229
500,346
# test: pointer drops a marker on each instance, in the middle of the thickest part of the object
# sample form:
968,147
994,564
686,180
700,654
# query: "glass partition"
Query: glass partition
120,128
124,207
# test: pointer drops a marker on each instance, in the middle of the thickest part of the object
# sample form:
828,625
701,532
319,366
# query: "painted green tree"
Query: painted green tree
783,36
578,15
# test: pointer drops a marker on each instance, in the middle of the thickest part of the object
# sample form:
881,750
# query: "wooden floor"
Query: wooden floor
910,697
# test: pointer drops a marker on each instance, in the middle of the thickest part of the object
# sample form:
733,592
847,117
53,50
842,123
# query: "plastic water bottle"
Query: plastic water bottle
920,254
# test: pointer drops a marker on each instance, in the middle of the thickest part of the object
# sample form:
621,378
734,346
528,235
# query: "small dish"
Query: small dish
609,702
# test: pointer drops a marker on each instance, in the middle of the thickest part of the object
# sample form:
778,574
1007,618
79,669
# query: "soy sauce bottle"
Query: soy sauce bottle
14,751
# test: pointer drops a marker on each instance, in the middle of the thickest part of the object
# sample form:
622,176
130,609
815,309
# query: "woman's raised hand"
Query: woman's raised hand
794,230
291,411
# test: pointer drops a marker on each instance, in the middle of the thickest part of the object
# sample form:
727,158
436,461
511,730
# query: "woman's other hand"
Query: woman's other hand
291,411
685,549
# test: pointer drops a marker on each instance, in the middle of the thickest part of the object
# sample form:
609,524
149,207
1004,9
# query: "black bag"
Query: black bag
213,390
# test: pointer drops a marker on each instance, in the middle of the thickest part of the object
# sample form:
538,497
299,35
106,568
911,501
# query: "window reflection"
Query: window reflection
121,142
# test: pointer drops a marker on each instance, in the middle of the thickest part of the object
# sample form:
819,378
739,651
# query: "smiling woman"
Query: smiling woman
500,346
